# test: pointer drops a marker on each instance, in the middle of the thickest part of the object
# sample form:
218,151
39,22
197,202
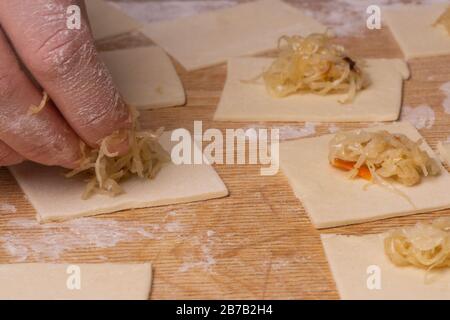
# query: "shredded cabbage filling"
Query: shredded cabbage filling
105,170
36,109
444,20
425,245
313,64
380,155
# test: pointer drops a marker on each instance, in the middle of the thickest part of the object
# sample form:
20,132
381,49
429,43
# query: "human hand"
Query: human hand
39,53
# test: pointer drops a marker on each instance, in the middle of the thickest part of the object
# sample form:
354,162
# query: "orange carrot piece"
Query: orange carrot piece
363,171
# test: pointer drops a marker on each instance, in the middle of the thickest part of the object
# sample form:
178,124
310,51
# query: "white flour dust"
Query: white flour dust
445,88
279,264
174,226
286,132
152,11
332,128
7,208
51,240
345,17
421,116
206,260
348,17
293,132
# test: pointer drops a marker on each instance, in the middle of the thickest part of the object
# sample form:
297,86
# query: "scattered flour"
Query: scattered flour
172,213
286,132
345,17
174,226
292,132
152,11
279,264
207,260
445,88
7,208
332,128
51,240
421,117
348,17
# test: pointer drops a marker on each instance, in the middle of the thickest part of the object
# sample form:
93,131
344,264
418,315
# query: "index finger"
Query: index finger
66,64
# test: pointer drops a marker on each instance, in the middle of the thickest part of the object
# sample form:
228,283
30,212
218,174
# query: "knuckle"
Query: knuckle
43,153
61,53
4,153
102,121
8,83
55,149
9,157
36,152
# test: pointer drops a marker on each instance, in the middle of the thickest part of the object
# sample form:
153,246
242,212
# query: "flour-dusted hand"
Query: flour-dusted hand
38,52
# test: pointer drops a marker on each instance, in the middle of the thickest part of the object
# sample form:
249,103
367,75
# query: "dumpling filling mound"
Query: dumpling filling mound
105,170
379,155
425,245
313,65
444,20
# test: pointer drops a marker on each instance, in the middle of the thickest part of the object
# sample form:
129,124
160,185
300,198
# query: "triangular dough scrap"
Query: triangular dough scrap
355,260
412,27
108,281
107,21
210,38
146,77
331,199
56,198
381,101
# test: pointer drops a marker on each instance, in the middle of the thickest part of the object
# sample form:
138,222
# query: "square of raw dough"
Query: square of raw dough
381,101
100,281
145,77
331,199
354,259
107,21
412,27
210,38
56,198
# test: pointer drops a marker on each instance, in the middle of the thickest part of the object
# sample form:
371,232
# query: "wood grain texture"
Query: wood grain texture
258,243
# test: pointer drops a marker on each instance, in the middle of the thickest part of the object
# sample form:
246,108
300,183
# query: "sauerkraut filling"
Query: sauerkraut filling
105,171
444,20
313,64
36,109
380,155
425,245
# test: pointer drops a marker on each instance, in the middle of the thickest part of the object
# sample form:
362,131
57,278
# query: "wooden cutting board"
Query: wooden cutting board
257,243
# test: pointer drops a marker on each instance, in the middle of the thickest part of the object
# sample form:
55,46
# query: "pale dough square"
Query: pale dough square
109,281
350,257
331,199
381,101
56,198
145,77
210,38
412,27
107,21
